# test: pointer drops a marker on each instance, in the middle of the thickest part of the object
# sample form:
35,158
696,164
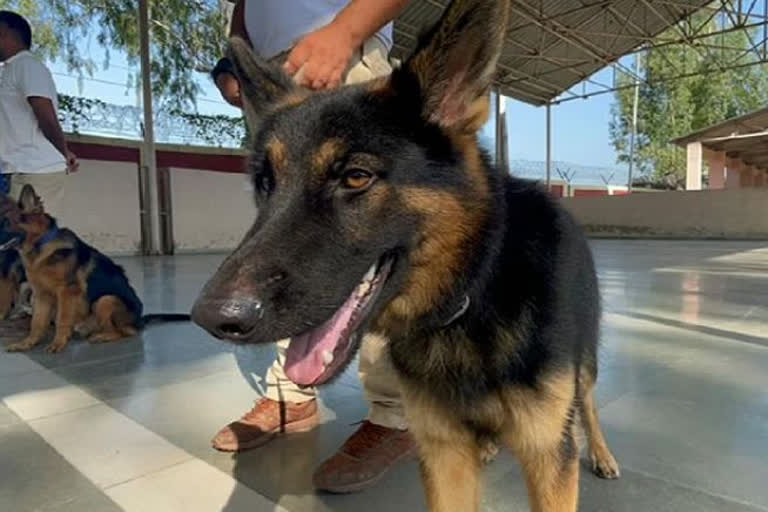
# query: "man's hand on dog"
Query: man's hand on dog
318,61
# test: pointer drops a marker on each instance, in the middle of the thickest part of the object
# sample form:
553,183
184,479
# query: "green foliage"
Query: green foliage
76,110
672,108
187,36
214,129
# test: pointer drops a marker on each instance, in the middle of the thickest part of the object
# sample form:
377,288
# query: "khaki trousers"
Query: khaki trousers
49,187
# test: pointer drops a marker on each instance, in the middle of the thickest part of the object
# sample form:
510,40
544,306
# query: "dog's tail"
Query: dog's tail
164,318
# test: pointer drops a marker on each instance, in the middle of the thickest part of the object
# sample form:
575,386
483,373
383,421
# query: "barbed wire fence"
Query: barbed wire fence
94,117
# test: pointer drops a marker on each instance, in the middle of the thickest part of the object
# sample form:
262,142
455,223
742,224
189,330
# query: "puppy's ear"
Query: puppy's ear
263,85
456,61
29,201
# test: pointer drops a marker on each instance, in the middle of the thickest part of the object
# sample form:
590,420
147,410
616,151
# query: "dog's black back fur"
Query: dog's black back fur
106,277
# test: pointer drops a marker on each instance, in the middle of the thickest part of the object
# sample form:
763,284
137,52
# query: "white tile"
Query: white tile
193,486
107,447
41,393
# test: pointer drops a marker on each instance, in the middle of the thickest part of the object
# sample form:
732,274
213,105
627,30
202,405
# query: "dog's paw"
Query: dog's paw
488,451
605,466
55,347
18,347
104,337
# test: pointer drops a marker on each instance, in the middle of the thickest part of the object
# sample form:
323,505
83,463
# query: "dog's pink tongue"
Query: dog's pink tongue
304,362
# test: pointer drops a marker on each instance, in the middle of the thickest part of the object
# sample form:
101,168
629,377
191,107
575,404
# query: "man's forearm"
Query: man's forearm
53,132
45,113
363,18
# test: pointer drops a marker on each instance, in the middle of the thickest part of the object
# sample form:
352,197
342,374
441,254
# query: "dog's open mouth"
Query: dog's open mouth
317,355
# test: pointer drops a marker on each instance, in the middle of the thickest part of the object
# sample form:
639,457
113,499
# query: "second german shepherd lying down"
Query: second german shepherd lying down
379,212
86,291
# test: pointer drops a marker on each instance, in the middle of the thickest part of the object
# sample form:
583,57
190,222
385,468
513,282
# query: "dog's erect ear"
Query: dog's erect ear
262,84
29,201
456,62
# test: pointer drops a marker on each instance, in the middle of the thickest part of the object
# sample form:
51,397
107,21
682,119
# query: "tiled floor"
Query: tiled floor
683,395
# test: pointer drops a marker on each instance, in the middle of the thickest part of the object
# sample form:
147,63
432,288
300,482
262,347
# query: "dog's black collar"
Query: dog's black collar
463,307
47,237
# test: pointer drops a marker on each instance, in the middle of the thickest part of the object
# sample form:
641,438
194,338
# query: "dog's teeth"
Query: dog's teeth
363,289
371,273
365,285
327,357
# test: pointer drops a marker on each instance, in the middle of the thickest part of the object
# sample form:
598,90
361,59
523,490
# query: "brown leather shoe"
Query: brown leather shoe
363,459
266,420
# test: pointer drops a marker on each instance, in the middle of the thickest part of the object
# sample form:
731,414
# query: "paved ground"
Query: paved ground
683,395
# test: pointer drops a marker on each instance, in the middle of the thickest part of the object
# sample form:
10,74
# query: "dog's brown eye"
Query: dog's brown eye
357,179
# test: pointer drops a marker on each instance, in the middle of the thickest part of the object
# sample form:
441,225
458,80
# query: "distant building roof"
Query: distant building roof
744,137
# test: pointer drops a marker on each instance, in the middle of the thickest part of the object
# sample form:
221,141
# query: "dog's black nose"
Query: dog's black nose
234,319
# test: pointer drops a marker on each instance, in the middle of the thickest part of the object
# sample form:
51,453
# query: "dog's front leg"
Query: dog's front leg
449,453
541,433
68,302
42,307
7,291
552,478
451,473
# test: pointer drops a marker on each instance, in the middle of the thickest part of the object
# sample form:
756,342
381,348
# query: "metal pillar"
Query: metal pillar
549,146
500,105
694,165
151,219
633,134
166,210
505,139
497,118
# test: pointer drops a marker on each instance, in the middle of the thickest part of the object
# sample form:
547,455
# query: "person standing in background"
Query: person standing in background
223,75
33,149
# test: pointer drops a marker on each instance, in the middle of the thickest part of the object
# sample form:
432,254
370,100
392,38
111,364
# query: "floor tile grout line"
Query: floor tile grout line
95,361
73,365
30,421
682,485
150,389
629,315
189,456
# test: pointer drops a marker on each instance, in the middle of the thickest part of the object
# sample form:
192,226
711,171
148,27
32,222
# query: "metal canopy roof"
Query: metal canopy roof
553,45
744,138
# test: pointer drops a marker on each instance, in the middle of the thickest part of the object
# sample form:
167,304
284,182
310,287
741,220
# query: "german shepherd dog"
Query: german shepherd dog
378,212
88,292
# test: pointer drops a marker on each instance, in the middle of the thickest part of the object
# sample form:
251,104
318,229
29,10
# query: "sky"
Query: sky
579,127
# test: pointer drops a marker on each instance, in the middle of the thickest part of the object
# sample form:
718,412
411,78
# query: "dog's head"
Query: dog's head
369,197
21,219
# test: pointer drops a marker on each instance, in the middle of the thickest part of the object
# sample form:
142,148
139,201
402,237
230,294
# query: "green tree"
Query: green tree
187,36
672,108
